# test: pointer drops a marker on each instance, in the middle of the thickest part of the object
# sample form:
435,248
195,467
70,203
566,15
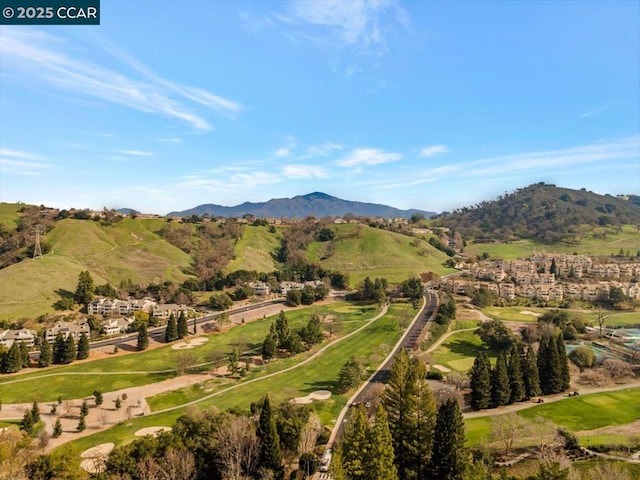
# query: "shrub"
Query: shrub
583,357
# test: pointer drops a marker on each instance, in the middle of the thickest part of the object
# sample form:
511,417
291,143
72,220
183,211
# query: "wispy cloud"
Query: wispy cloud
228,180
433,150
304,171
593,111
368,156
323,150
52,60
282,152
21,162
170,140
136,153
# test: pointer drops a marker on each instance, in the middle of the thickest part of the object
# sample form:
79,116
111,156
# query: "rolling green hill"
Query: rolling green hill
9,214
125,250
363,251
254,251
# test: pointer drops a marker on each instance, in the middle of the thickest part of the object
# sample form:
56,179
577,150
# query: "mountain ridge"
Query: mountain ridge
315,204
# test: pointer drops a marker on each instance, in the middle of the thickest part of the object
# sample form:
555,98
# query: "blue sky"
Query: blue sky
431,105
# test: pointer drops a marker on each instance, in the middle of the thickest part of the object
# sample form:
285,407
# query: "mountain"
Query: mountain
545,213
311,205
128,211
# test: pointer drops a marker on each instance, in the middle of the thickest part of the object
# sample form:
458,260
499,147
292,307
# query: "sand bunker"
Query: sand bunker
151,431
317,395
442,368
190,343
533,314
93,459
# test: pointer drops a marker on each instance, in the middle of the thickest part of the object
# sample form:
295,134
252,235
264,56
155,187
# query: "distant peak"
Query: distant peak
313,195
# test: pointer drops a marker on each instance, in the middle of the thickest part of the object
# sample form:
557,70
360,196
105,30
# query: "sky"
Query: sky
424,104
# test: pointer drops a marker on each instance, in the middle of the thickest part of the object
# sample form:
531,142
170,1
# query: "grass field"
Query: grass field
363,251
513,314
586,412
126,250
459,351
249,336
9,214
321,373
254,250
627,239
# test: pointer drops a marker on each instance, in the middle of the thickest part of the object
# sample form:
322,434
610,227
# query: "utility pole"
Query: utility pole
37,250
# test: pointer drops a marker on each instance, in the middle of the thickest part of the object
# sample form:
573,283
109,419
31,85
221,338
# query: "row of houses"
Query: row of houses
262,288
554,292
126,308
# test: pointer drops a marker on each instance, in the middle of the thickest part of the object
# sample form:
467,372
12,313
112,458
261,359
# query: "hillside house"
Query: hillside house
116,326
67,329
259,288
164,311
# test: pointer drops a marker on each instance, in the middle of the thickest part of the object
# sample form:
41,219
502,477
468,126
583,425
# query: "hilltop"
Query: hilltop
315,204
545,213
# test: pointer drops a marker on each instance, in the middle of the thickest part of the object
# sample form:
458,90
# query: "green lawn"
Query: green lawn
459,351
585,412
248,336
368,346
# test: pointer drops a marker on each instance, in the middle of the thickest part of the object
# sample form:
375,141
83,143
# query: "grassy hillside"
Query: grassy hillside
592,244
254,251
126,250
9,214
364,251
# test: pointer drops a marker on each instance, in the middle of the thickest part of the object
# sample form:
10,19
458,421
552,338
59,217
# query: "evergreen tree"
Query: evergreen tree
143,337
24,355
500,390
82,423
183,327
118,403
270,453
311,334
171,333
336,468
565,376
543,364
27,422
549,367
69,350
46,355
380,457
13,359
83,346
355,445
350,375
514,370
283,332
57,428
448,459
3,359
58,349
530,374
35,412
84,289
480,383
269,346
84,409
97,394
420,444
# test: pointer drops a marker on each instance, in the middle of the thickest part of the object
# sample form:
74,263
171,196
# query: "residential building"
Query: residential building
8,337
67,329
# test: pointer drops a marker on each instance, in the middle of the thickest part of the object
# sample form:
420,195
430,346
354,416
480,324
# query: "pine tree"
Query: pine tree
82,424
83,346
270,453
27,422
514,370
69,350
480,383
448,459
58,349
500,390
57,428
98,397
269,346
530,374
118,403
24,354
171,333
283,332
3,359
84,289
565,376
355,444
35,412
549,367
336,469
420,435
84,409
380,457
543,364
46,355
143,337
183,327
13,359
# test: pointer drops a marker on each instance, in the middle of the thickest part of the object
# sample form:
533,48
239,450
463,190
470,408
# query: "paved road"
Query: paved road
381,376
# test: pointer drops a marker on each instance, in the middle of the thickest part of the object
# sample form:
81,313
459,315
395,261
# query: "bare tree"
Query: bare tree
617,369
602,318
309,434
505,429
606,471
148,469
178,465
184,361
457,380
43,439
238,447
67,405
544,434
103,418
